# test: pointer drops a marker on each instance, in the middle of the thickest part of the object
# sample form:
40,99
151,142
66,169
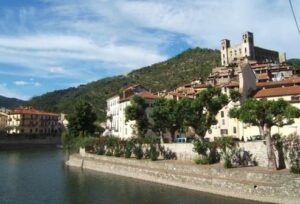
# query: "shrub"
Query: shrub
292,147
128,148
153,153
207,150
138,151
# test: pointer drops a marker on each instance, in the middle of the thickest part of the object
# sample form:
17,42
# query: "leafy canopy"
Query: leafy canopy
82,119
137,112
167,115
201,112
266,113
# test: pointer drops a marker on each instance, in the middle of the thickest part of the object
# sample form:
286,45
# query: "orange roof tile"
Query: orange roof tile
147,95
279,91
31,111
289,81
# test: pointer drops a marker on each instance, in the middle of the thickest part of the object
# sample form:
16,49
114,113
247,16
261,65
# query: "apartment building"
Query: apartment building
27,120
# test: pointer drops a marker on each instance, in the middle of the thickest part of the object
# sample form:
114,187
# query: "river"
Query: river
39,176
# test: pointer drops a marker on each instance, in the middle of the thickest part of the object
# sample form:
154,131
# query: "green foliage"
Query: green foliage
167,115
295,63
200,113
191,64
207,150
82,119
291,145
128,148
67,140
264,114
85,142
138,151
235,95
137,111
153,153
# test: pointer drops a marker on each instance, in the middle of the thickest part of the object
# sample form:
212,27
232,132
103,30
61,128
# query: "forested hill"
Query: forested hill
10,102
191,64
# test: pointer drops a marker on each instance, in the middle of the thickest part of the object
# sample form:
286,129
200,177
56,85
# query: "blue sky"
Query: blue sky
54,44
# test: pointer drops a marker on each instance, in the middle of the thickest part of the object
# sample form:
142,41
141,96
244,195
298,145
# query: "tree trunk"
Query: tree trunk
270,149
173,134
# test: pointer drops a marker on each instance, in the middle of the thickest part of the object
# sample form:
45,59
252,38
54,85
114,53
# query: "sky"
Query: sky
47,45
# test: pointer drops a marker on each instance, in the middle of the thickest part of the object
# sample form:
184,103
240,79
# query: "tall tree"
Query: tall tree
167,116
82,119
264,114
137,112
200,113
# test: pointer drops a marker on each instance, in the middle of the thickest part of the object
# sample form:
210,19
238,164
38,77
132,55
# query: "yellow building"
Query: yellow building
27,120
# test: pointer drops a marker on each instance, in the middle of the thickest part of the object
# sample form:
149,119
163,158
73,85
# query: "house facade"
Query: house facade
27,120
116,124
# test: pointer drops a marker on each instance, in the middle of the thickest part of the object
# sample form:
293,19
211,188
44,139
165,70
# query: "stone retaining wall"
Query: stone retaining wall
247,183
184,151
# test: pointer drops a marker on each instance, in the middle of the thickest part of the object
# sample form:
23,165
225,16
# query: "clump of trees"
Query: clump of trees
81,126
264,114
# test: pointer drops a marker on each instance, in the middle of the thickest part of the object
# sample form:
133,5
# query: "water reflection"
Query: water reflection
39,176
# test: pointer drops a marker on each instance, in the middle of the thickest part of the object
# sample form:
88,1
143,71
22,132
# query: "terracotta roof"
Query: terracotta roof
280,91
229,85
289,81
31,111
147,95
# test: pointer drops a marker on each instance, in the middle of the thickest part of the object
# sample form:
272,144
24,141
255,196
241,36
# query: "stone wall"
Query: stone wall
257,150
248,183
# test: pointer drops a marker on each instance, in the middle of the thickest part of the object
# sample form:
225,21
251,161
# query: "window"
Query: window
295,98
222,114
234,130
223,121
245,50
224,131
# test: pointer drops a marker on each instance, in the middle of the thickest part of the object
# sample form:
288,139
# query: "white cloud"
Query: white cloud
20,83
31,82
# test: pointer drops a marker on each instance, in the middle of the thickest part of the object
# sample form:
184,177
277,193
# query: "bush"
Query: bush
128,148
138,151
207,150
153,153
291,145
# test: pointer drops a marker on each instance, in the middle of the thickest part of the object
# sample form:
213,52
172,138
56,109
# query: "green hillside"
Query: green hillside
10,102
191,64
295,63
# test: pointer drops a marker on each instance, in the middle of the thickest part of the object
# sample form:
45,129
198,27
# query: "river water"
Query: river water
39,176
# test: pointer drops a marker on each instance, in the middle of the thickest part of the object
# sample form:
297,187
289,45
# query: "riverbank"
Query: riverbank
247,183
22,142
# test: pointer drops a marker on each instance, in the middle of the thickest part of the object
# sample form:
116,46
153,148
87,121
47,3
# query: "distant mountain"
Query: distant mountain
10,102
191,64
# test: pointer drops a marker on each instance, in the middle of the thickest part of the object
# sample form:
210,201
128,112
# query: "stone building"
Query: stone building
246,51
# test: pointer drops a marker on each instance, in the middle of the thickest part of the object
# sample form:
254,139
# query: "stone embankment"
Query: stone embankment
247,183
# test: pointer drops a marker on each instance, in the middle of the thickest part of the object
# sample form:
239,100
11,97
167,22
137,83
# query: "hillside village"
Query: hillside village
253,71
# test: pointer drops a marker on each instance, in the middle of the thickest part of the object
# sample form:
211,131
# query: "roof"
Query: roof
279,91
144,94
147,95
289,81
31,111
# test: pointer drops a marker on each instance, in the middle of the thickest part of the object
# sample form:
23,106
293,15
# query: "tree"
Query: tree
200,113
167,116
82,119
264,114
137,112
